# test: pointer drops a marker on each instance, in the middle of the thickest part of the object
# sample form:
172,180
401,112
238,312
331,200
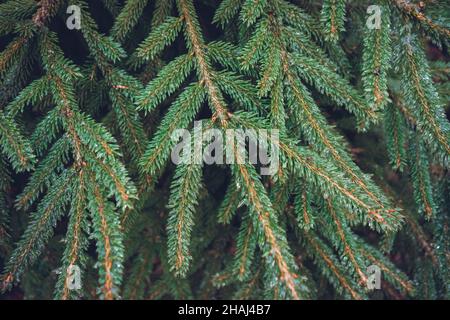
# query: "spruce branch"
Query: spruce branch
196,44
275,244
332,269
88,119
127,18
76,239
416,13
376,60
246,243
39,230
395,128
333,17
14,146
183,199
419,92
109,240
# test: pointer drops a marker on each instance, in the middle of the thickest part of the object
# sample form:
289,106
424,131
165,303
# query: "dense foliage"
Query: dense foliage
357,89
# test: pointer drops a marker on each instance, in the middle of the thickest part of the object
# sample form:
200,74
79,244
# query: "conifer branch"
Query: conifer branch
303,209
76,238
376,58
395,134
205,73
184,198
394,276
45,173
95,133
347,243
421,178
179,116
226,10
127,18
158,39
168,80
266,221
230,203
419,92
14,145
333,17
39,230
412,10
109,241
333,269
322,174
246,243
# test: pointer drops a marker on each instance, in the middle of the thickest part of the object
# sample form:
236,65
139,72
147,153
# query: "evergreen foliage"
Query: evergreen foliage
88,115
